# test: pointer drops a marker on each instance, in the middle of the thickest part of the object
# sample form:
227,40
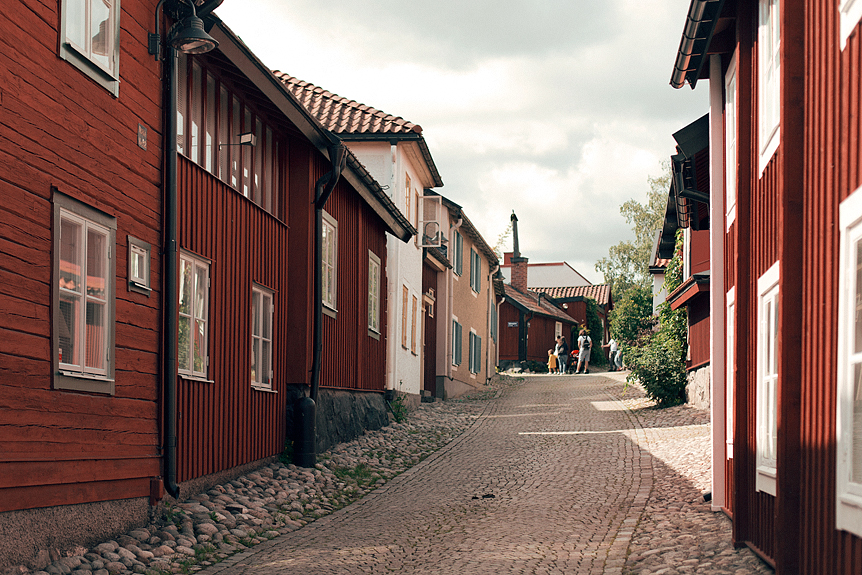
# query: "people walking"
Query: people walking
585,343
613,350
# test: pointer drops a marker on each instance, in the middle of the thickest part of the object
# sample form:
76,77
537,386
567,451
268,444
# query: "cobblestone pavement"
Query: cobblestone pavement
556,476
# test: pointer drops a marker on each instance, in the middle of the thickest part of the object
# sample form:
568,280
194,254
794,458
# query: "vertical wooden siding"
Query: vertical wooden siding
540,338
227,423
352,359
508,335
59,128
698,331
429,341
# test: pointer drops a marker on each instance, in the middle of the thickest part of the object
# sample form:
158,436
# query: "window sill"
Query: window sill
77,381
373,333
195,378
139,288
474,292
765,480
263,388
330,311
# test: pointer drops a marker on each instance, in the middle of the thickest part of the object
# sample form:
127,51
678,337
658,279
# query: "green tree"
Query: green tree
627,263
596,333
631,314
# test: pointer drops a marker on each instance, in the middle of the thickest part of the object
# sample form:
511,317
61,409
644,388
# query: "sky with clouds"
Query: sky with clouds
557,109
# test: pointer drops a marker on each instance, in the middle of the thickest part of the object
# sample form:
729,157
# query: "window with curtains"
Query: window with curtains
193,326
261,337
849,376
84,266
767,380
211,117
90,39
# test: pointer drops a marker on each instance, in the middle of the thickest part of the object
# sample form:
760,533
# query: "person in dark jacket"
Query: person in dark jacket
562,352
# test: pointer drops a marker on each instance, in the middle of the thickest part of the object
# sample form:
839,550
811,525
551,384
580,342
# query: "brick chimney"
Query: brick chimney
519,263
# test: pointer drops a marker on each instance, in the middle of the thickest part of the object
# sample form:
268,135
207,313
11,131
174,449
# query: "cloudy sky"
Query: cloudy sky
558,109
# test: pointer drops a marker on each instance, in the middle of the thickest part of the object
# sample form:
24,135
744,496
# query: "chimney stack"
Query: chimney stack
519,263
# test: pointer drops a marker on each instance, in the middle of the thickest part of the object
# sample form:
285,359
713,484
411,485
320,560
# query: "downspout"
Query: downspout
450,328
491,302
171,274
322,189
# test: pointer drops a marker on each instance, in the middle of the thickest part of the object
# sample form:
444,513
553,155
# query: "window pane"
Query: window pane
223,150
268,171
774,336
184,343
200,346
276,158
196,113
186,287
266,311
97,263
95,348
102,32
201,292
71,248
255,313
258,161
246,156
265,364
209,150
69,322
857,342
255,354
182,101
233,138
76,23
856,449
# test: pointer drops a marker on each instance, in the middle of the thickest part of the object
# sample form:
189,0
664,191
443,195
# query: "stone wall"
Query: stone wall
697,387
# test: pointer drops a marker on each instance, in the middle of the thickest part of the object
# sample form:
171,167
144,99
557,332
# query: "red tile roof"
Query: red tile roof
600,293
353,120
533,303
343,116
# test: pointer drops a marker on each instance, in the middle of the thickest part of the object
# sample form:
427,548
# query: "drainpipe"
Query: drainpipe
450,328
491,302
322,189
171,275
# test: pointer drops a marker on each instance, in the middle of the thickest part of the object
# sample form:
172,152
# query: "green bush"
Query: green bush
632,314
657,358
596,333
536,366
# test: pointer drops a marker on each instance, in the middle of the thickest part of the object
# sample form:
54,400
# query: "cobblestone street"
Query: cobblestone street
558,475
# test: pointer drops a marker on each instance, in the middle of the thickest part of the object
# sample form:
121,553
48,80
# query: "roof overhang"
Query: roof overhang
695,284
415,137
701,24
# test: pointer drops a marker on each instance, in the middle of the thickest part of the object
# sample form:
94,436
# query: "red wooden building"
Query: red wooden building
247,224
785,109
80,275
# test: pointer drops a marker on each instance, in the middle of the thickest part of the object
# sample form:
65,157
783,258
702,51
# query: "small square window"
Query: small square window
139,266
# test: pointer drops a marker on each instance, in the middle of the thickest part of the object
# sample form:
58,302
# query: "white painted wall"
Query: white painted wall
389,164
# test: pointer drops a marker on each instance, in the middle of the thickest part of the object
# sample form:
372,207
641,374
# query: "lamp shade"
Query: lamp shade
188,36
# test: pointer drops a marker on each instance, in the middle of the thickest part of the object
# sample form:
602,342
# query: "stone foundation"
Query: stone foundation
697,387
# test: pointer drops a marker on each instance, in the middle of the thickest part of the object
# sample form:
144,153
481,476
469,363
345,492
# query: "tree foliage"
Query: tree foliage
632,314
657,358
627,263
596,333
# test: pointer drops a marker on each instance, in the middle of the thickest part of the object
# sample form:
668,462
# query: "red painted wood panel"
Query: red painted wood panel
698,331
58,128
429,341
508,335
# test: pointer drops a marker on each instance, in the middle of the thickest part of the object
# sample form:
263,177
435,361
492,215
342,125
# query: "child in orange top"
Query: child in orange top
552,361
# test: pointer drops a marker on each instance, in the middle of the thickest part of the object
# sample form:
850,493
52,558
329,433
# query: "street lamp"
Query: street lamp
187,35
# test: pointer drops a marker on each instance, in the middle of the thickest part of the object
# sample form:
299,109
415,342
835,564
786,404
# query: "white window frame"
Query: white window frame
194,319
458,253
730,352
768,321
558,329
686,253
139,266
82,57
730,143
77,376
329,262
850,12
848,493
265,306
475,352
373,293
768,94
457,344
